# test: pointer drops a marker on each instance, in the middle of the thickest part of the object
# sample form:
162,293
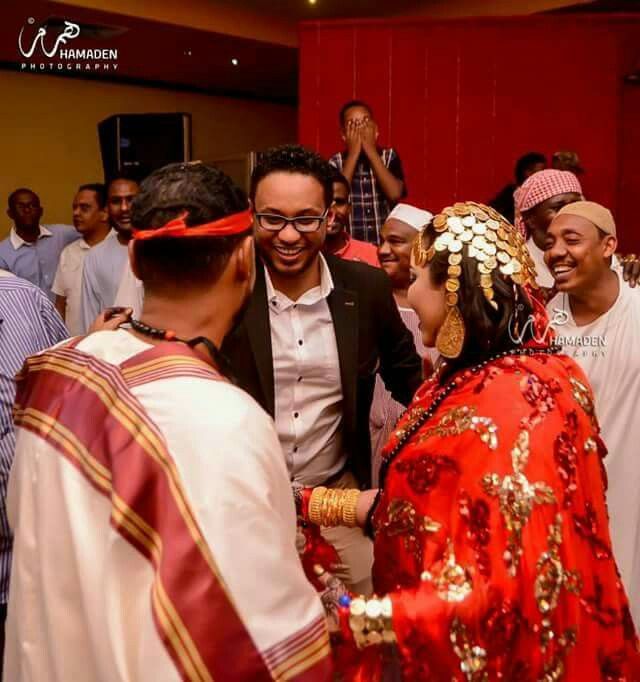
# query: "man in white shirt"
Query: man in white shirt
316,333
152,513
597,318
91,220
105,265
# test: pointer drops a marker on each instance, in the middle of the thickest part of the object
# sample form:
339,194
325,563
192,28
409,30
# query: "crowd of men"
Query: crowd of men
318,331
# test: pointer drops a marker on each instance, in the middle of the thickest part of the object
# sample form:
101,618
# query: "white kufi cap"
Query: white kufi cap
412,216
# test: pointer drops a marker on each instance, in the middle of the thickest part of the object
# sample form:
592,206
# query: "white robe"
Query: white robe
610,358
79,604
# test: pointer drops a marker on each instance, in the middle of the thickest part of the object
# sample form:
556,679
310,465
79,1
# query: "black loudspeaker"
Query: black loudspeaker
133,145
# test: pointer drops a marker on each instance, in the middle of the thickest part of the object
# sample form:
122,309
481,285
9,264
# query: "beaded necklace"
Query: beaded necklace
219,360
444,392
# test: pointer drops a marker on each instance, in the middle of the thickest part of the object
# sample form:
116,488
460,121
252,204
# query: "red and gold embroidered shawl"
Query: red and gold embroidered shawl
492,537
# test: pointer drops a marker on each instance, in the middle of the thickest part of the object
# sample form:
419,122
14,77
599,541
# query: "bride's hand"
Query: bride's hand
366,499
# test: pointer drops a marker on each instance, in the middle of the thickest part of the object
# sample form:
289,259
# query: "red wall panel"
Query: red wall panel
461,100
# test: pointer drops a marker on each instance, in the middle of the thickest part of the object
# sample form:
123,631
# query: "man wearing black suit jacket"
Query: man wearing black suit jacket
316,332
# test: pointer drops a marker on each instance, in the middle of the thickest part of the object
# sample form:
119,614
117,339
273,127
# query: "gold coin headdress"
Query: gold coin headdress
481,233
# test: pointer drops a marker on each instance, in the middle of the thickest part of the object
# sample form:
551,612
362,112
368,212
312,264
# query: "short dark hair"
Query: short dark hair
99,189
117,178
488,330
337,176
349,105
12,197
525,162
293,158
205,194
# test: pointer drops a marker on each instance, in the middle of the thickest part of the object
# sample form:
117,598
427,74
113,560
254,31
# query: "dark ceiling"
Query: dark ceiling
625,6
159,54
303,10
165,55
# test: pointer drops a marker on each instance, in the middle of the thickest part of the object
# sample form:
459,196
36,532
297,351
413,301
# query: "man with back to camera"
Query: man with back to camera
155,527
29,323
317,331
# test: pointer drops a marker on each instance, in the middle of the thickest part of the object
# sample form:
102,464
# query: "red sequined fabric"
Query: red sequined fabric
492,536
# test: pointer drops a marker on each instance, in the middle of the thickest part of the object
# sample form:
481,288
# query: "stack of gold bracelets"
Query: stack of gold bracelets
333,507
370,621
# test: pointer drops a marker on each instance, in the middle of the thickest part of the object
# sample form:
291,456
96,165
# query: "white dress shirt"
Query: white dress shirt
68,283
308,388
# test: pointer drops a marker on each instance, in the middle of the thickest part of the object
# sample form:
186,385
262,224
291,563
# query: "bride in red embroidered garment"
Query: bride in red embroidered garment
491,538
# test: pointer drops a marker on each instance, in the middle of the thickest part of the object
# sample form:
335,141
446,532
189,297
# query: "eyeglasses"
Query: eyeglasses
272,222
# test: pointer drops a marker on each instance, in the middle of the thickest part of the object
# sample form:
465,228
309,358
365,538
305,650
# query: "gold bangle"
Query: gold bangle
335,518
330,507
349,508
325,509
315,503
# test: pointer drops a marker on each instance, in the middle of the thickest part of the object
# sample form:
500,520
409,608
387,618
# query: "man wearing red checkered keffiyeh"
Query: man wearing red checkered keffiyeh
546,191
537,201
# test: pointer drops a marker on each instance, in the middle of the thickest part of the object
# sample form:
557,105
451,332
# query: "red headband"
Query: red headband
231,224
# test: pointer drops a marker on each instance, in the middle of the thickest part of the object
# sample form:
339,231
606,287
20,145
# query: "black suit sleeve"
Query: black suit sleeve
400,364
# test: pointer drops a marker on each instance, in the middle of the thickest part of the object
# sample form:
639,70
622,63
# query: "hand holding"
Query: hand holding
110,319
365,502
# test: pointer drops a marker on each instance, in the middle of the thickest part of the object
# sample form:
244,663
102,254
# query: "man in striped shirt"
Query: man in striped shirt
28,324
375,173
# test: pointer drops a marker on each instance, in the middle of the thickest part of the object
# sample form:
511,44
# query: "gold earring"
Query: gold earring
451,335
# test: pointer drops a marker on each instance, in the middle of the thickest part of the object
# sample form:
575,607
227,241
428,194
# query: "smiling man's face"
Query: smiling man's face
288,252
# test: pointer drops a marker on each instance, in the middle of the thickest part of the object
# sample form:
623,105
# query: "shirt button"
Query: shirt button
299,378
299,342
295,449
296,415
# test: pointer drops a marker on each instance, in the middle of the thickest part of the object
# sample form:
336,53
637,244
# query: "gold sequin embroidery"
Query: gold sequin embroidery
517,498
460,419
551,578
582,395
473,659
590,446
453,582
402,519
